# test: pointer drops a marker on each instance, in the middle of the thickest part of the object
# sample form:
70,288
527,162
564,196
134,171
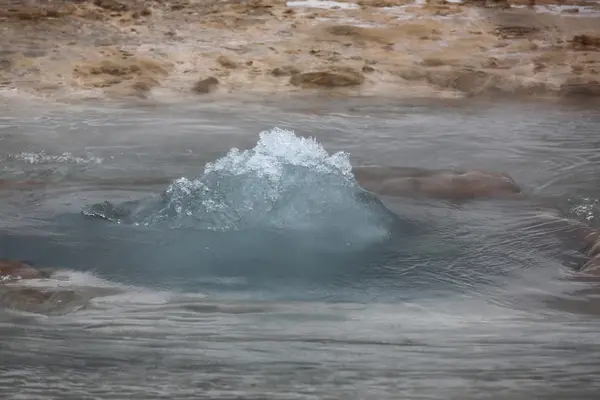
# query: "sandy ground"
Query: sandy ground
145,49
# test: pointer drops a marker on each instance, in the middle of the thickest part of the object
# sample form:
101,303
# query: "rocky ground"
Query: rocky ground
144,48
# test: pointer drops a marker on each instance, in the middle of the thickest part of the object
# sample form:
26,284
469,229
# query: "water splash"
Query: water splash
284,182
64,158
586,209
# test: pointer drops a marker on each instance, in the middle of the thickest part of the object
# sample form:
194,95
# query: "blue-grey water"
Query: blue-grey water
225,251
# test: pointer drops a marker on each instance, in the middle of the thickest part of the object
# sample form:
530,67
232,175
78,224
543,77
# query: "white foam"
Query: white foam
64,158
403,12
103,291
564,9
70,278
136,297
349,21
323,4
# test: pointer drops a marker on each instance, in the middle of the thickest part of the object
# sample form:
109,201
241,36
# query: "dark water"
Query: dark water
269,273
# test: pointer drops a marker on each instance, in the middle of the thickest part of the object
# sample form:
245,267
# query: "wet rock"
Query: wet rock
6,184
14,270
442,9
6,64
367,69
432,62
516,32
227,62
592,266
497,4
570,11
585,42
110,67
575,234
178,6
328,79
467,80
120,68
470,80
488,3
141,87
496,63
39,300
35,12
455,185
284,71
580,88
362,35
206,85
382,3
111,5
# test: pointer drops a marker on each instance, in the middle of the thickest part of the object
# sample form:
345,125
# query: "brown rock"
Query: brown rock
227,62
432,62
329,79
489,3
178,6
206,85
41,301
284,71
141,87
467,80
585,42
592,266
35,12
119,68
382,3
379,35
454,185
10,184
111,5
497,4
495,63
580,88
516,32
6,64
471,81
367,69
11,270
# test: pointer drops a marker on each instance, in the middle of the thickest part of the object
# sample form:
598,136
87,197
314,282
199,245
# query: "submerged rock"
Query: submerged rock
6,184
452,185
17,294
12,270
460,186
39,300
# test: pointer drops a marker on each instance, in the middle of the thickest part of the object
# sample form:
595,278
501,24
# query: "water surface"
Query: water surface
269,273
